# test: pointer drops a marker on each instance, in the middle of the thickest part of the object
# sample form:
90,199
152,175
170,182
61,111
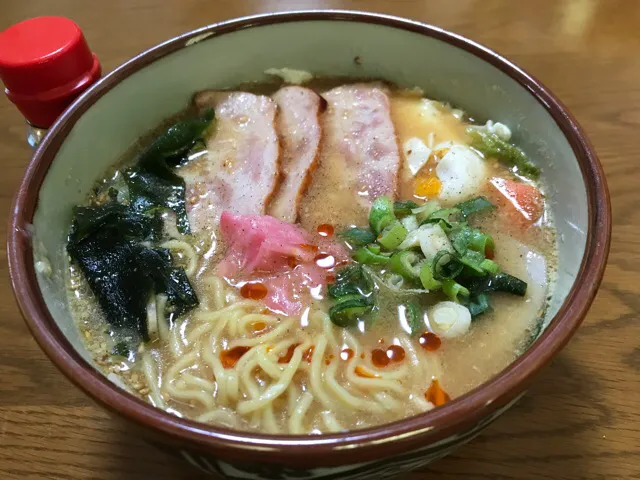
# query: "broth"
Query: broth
237,360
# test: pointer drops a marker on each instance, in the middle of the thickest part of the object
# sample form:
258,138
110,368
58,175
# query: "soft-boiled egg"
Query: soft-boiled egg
416,154
462,173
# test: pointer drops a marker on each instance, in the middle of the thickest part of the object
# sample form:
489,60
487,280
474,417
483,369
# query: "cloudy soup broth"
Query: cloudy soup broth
291,258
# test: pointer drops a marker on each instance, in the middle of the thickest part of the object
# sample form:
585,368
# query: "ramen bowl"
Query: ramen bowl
105,121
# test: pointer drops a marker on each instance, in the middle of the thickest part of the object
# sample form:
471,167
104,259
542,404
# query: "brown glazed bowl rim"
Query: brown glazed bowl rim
321,450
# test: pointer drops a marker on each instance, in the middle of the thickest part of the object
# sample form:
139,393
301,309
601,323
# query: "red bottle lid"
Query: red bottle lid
45,63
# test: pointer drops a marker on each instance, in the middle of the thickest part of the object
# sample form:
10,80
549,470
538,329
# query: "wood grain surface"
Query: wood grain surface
581,420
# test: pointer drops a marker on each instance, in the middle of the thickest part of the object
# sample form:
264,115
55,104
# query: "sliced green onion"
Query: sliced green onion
394,280
475,205
453,289
402,209
358,237
478,304
423,212
414,318
373,248
407,264
393,235
341,289
443,217
351,280
489,266
366,256
473,260
464,237
349,310
410,223
426,278
446,265
381,214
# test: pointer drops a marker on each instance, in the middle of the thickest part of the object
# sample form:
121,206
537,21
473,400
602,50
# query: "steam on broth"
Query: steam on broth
294,259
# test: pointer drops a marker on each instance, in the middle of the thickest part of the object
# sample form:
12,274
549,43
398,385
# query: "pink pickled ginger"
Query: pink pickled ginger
284,257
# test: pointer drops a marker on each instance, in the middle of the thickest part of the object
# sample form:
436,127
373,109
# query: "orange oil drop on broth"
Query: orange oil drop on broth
440,369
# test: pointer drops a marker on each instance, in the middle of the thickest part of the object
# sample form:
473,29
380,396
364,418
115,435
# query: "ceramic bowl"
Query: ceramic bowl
134,98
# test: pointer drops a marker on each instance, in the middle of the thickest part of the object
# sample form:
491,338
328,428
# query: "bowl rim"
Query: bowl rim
349,447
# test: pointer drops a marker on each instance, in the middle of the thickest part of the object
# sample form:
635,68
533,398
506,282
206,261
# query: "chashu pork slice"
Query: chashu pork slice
359,159
299,130
239,170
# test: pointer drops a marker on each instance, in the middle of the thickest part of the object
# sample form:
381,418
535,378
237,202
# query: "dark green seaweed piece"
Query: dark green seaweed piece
116,219
106,242
478,304
120,349
152,181
500,282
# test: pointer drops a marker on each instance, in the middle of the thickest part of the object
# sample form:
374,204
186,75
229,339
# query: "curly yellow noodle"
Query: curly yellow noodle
276,389
259,391
297,417
187,252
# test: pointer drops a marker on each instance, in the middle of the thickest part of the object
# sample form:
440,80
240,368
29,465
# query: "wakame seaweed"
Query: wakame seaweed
499,282
110,245
152,181
111,242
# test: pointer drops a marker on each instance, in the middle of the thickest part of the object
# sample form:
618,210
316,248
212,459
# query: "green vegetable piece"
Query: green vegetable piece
358,237
366,256
351,280
426,278
500,282
443,217
393,235
349,310
453,290
374,248
341,289
465,238
106,242
407,264
446,265
414,318
424,211
114,219
478,304
473,206
381,214
179,138
489,266
491,145
152,182
402,209
472,260
120,349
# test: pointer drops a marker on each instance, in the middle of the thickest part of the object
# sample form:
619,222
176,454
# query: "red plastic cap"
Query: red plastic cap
45,63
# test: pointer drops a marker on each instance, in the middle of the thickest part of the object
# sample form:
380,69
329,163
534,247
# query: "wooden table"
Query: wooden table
581,420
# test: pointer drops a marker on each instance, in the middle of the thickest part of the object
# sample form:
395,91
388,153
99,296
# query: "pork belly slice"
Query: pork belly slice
239,171
359,159
299,131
